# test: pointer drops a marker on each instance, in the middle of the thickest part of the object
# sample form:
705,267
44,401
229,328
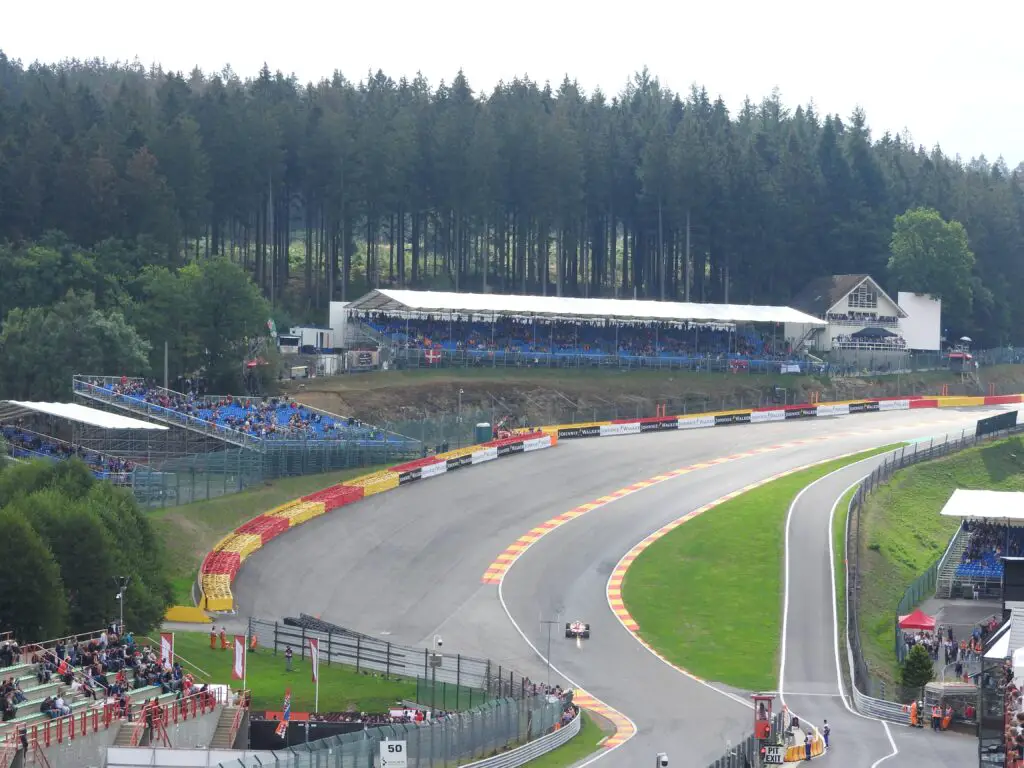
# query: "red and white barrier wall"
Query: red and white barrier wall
221,565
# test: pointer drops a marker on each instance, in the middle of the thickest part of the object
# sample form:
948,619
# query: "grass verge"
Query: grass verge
580,746
718,616
902,533
341,688
839,563
190,530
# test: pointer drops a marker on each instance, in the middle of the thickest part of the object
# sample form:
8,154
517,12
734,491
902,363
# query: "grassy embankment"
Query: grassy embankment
190,530
712,603
902,533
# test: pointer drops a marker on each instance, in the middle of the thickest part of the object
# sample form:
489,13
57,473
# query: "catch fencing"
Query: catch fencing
457,679
492,729
746,753
872,695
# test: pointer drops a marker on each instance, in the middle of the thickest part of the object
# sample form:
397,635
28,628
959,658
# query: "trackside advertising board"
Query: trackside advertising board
726,418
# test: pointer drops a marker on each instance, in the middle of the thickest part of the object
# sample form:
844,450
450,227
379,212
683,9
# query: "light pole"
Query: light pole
122,588
458,419
435,662
549,623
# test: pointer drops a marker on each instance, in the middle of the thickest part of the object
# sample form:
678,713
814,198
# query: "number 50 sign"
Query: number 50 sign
393,755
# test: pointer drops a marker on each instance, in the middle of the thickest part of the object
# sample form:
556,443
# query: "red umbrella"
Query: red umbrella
917,619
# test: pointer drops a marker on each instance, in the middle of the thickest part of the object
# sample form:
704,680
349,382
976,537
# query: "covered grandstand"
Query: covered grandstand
431,328
112,445
219,444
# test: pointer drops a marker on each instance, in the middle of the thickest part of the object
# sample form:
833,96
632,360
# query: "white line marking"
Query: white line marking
892,743
556,670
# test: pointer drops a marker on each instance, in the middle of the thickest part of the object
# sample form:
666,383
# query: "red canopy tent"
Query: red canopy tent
918,619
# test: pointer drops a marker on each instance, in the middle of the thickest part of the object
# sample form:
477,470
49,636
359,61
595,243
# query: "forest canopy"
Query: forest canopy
68,537
131,187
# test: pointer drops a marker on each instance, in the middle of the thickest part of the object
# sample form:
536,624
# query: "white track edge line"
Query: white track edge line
573,683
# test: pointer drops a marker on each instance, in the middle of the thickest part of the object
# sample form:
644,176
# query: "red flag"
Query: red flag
167,648
238,667
314,655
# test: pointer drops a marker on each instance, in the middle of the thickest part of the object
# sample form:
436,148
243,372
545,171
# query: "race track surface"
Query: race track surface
408,563
810,677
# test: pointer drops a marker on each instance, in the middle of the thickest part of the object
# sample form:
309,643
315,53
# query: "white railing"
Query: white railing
524,754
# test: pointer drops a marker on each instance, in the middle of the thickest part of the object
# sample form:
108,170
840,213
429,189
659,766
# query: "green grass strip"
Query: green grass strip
708,596
341,687
578,747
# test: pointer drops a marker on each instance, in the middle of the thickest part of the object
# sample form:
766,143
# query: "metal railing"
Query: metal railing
364,652
745,753
534,749
489,731
870,694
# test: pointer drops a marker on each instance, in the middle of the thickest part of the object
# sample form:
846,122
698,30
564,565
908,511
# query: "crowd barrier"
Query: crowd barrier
222,563
771,414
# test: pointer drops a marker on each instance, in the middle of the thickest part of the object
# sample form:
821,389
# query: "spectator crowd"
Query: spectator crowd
23,443
988,542
677,341
266,418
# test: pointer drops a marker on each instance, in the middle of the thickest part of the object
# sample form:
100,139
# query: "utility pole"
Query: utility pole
549,623
122,588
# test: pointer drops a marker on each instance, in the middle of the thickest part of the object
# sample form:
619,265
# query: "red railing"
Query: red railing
95,719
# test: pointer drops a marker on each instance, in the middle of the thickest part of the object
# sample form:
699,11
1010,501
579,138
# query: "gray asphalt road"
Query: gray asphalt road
810,677
409,562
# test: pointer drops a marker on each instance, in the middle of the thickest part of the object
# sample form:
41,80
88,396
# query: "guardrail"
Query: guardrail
531,751
860,677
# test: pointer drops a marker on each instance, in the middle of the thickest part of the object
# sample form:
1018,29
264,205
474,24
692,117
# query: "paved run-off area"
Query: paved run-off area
409,563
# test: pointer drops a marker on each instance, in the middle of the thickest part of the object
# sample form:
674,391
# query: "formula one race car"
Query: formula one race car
575,629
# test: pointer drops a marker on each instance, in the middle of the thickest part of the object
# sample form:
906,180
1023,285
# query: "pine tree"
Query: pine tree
917,668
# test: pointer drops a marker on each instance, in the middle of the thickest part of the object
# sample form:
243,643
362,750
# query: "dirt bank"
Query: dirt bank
545,396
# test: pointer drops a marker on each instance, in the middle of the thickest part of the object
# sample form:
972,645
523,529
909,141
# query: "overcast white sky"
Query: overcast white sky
950,72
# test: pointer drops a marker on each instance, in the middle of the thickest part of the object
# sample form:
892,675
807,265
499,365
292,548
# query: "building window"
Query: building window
863,297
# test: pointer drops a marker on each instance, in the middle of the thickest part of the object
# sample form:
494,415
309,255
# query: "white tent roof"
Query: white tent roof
985,505
83,415
562,307
1001,649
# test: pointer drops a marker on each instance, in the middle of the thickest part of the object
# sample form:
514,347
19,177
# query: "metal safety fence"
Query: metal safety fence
456,677
746,753
495,728
871,694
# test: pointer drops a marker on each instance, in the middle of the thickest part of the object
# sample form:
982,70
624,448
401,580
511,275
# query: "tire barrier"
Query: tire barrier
222,563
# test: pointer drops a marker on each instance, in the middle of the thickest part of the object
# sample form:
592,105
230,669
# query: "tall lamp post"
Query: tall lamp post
122,589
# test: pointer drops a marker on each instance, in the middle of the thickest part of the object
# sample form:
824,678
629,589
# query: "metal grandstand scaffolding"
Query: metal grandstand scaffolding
196,458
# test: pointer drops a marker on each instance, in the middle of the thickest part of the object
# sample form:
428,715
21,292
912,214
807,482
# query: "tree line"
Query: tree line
67,540
320,191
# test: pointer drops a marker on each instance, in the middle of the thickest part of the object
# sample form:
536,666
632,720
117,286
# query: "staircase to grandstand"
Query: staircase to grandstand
947,576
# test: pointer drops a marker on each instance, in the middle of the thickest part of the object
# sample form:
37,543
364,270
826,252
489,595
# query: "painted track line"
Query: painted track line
496,570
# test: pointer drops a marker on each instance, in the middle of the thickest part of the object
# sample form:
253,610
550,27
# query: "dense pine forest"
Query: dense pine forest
189,208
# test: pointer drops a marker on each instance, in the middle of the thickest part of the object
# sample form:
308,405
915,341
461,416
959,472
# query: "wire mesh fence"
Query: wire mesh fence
455,678
746,754
452,740
865,682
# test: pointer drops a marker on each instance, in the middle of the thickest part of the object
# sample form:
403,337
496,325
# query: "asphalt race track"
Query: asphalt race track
408,564
810,677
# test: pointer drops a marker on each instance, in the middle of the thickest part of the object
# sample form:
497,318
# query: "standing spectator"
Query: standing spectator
288,658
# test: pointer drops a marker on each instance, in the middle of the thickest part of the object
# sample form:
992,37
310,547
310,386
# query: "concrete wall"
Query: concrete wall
144,757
